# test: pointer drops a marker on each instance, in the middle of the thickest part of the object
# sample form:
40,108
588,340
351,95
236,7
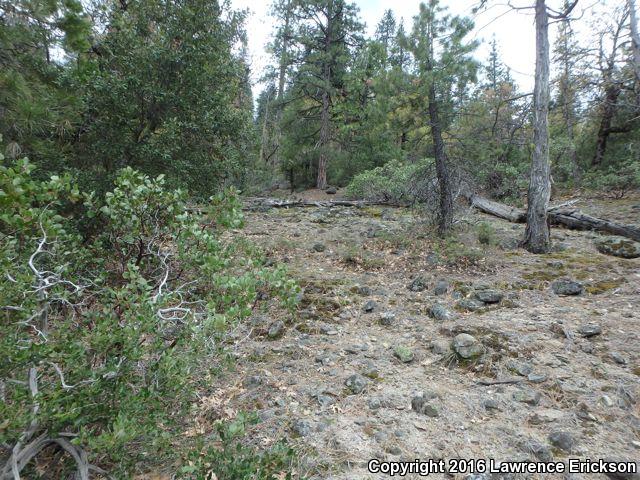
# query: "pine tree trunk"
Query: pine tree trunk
612,92
537,235
445,216
635,39
321,182
281,81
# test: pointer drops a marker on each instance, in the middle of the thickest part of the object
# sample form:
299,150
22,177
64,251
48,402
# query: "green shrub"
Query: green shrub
486,234
618,180
394,182
105,336
230,459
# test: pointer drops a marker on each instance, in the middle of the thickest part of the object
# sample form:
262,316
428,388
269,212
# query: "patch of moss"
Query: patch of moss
604,286
371,211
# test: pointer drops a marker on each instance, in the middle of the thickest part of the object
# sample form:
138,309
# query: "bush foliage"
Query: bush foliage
106,333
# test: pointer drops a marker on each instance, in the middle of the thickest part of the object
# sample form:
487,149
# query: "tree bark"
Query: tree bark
282,74
321,182
635,39
445,217
612,91
325,115
537,235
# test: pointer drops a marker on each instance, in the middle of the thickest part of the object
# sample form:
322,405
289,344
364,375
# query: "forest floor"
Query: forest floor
574,361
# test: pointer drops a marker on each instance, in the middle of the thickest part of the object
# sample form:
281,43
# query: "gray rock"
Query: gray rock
387,318
521,368
530,397
319,247
467,346
325,400
362,290
374,403
439,312
369,369
618,358
440,347
469,305
537,377
562,440
276,330
369,306
419,284
624,475
489,296
618,247
301,428
356,383
441,288
491,404
590,330
404,354
331,190
421,404
567,287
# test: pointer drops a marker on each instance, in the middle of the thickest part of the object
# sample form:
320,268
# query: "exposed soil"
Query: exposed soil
587,386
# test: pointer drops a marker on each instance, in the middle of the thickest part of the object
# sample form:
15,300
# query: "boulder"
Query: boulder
567,287
618,247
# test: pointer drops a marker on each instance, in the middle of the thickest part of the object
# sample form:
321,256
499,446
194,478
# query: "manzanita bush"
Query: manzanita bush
106,331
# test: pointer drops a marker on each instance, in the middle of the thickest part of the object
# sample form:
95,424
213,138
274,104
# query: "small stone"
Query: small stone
276,330
469,305
387,318
374,403
530,397
301,428
491,404
331,190
537,377
404,354
489,296
521,368
606,401
369,306
325,400
393,450
467,346
356,383
618,358
590,330
566,287
370,370
361,290
440,347
419,284
562,440
319,247
441,288
420,404
439,312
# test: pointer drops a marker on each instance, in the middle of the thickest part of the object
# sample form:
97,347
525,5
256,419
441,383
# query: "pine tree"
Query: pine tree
443,66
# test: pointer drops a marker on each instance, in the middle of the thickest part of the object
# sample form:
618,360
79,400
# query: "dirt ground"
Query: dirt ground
572,363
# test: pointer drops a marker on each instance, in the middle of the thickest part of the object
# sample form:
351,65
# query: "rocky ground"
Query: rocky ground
406,347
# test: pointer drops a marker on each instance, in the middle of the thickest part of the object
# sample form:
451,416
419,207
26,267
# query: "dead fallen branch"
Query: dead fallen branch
558,215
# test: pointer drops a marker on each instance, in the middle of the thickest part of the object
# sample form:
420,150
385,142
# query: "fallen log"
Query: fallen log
496,209
576,220
570,218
